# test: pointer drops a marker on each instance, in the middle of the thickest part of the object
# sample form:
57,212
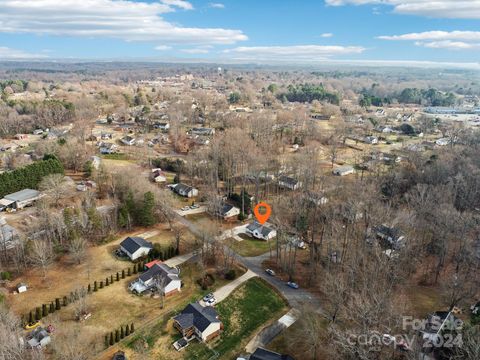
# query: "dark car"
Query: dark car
119,355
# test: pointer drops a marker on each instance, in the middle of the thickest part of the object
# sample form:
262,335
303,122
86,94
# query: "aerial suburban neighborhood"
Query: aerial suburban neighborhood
239,180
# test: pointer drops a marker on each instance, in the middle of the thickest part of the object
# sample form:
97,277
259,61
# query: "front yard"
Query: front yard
250,247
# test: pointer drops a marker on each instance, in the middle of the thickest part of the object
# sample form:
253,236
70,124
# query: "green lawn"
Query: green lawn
244,312
251,247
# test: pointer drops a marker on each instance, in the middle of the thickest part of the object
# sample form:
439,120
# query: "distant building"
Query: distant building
289,182
128,140
228,211
344,170
184,190
203,131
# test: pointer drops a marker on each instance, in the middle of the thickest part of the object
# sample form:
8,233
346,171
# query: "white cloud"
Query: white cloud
178,3
14,54
326,35
464,9
121,19
195,51
436,35
449,45
216,5
450,40
163,47
310,53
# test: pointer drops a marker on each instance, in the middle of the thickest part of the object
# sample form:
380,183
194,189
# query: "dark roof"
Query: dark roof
226,208
162,270
288,180
132,244
182,188
198,316
263,354
119,355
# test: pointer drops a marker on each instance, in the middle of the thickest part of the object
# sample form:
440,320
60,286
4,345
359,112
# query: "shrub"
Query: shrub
230,274
57,304
38,314
111,339
5,275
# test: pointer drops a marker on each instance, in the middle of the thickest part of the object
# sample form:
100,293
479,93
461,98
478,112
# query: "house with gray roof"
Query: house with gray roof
259,231
289,182
159,274
135,247
21,199
264,354
200,321
343,170
184,190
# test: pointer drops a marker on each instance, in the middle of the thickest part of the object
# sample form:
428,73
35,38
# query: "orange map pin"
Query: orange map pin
262,218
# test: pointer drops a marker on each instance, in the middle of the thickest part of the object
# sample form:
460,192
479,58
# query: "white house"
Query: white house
262,232
128,140
343,170
161,274
184,190
135,247
443,142
199,321
289,182
108,148
159,176
228,211
21,288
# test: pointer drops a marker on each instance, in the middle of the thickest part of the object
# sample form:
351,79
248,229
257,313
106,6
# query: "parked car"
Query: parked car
292,284
210,302
180,344
119,355
194,206
185,208
208,297
270,272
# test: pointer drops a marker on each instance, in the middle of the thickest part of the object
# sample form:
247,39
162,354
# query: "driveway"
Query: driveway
222,293
178,260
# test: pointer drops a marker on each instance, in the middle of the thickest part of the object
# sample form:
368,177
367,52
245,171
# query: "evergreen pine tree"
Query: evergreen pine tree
132,329
118,276
134,269
106,341
122,334
111,339
101,284
123,274
52,308
30,317
106,281
38,314
127,330
65,301
94,286
57,304
89,289
111,279
117,336
128,272
146,214
44,310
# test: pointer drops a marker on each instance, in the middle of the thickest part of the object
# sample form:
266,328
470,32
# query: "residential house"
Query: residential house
443,142
8,235
372,140
343,170
21,136
128,140
390,235
184,190
108,148
162,126
316,198
135,247
200,321
203,131
321,117
106,136
158,275
259,231
264,354
434,331
21,199
38,338
158,176
227,211
289,182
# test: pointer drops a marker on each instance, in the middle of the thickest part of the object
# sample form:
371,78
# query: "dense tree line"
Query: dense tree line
308,93
29,176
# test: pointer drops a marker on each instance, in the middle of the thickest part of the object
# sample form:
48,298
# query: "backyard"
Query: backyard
250,247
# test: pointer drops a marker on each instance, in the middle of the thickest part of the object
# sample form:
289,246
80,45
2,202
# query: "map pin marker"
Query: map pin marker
262,218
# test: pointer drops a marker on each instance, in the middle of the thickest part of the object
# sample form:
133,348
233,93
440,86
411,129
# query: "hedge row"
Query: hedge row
117,335
28,177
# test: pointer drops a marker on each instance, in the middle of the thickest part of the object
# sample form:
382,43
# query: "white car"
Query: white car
270,272
208,297
210,302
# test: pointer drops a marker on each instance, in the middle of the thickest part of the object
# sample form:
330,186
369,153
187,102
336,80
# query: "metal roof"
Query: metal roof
22,195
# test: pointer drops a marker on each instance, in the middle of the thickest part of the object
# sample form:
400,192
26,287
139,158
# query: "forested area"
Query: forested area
29,176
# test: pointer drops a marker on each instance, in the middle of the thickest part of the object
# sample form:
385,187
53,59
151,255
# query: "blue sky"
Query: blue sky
419,32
